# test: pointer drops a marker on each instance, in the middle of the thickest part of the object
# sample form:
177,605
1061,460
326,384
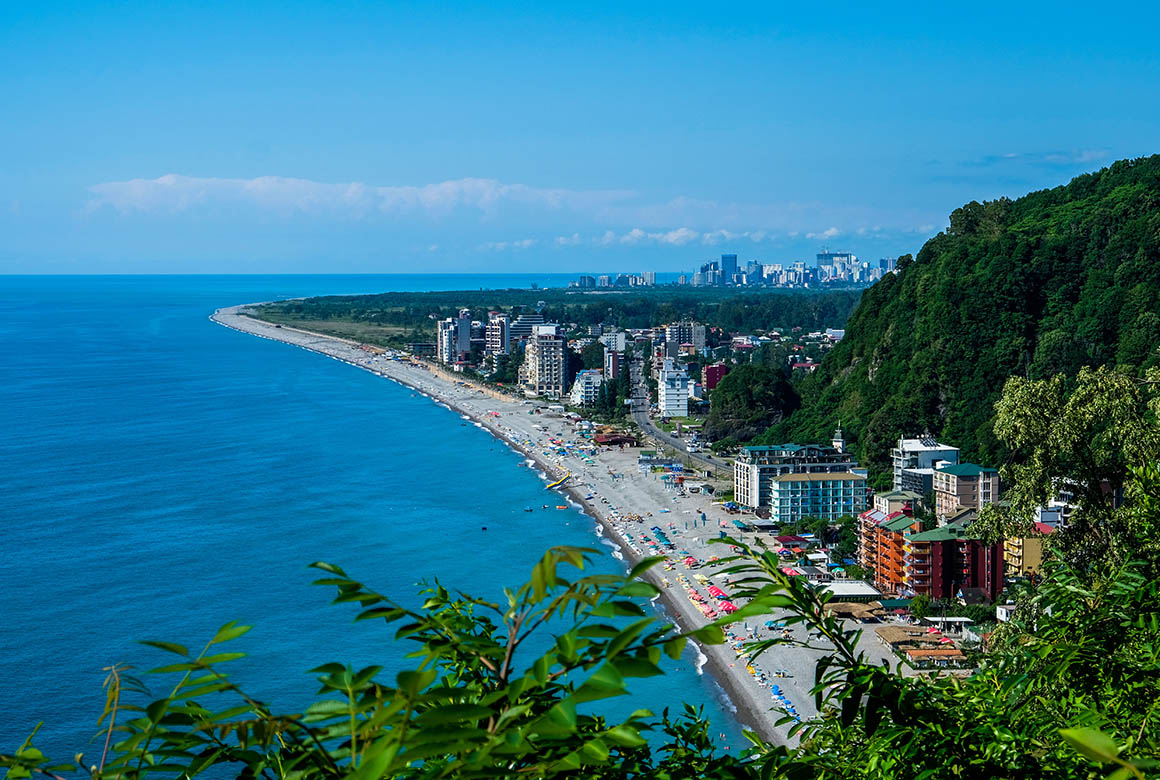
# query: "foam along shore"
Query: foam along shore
628,503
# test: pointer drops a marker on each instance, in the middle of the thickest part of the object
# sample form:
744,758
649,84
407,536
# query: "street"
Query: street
640,406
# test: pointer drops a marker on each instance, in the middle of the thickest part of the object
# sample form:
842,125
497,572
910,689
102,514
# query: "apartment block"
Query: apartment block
794,481
964,486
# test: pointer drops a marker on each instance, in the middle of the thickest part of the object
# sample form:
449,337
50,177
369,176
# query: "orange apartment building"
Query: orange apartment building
882,533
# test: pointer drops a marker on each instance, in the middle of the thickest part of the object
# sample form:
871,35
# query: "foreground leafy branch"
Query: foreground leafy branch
506,689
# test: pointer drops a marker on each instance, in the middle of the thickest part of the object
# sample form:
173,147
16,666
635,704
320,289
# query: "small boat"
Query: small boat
528,509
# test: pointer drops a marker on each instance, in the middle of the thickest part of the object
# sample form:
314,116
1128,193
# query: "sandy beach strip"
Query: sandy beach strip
625,502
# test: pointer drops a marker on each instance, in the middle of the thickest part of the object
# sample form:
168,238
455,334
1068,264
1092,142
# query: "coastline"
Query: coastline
752,704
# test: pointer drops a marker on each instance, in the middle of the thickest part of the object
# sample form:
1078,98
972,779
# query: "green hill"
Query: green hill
1036,286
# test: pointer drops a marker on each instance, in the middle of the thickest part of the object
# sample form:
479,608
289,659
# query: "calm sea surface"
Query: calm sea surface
161,475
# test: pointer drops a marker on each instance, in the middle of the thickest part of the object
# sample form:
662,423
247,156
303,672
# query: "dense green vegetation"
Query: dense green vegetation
396,318
748,400
1032,287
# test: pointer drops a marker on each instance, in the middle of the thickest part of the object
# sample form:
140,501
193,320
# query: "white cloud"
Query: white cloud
173,193
829,232
499,246
602,218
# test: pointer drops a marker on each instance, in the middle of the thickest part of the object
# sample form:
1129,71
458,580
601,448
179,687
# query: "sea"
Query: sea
161,475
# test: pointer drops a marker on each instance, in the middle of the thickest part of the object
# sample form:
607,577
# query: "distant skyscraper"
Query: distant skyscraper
728,268
836,258
603,281
587,281
650,278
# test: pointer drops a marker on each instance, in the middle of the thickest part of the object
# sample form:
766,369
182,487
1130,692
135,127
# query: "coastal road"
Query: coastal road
640,405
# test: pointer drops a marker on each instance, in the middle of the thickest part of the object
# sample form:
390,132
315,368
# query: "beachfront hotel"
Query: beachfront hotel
793,481
542,372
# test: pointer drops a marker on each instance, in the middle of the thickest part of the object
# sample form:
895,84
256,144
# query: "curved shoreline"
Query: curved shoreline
720,659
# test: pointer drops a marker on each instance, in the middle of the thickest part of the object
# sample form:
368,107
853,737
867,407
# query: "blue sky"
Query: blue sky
394,137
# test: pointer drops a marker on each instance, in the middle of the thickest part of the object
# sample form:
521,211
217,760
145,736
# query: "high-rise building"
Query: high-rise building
498,335
711,375
836,258
542,372
445,340
728,268
611,364
523,326
453,338
918,457
686,333
672,391
587,281
604,280
650,278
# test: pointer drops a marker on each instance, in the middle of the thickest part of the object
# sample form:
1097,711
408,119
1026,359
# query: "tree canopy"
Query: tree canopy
1033,287
748,400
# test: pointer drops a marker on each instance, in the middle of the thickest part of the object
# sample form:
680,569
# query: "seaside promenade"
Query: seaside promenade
626,503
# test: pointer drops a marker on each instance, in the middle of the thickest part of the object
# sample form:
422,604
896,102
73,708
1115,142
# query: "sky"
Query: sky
384,137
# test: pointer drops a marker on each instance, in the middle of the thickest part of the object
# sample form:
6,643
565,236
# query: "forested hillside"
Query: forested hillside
1034,287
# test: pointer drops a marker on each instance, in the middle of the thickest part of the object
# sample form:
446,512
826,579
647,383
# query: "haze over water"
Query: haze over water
163,475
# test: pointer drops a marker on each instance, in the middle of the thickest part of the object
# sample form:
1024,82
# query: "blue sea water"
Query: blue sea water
161,475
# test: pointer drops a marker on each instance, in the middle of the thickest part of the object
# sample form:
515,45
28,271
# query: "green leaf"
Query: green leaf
455,713
675,646
412,681
710,634
1096,745
229,631
636,667
624,736
604,682
169,647
644,565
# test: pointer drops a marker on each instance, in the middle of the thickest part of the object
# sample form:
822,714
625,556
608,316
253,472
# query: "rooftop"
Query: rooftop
818,476
851,588
925,445
900,495
945,534
966,470
899,523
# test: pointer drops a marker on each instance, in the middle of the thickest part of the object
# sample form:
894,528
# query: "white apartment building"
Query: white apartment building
672,391
498,334
586,387
542,372
614,341
919,457
453,338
